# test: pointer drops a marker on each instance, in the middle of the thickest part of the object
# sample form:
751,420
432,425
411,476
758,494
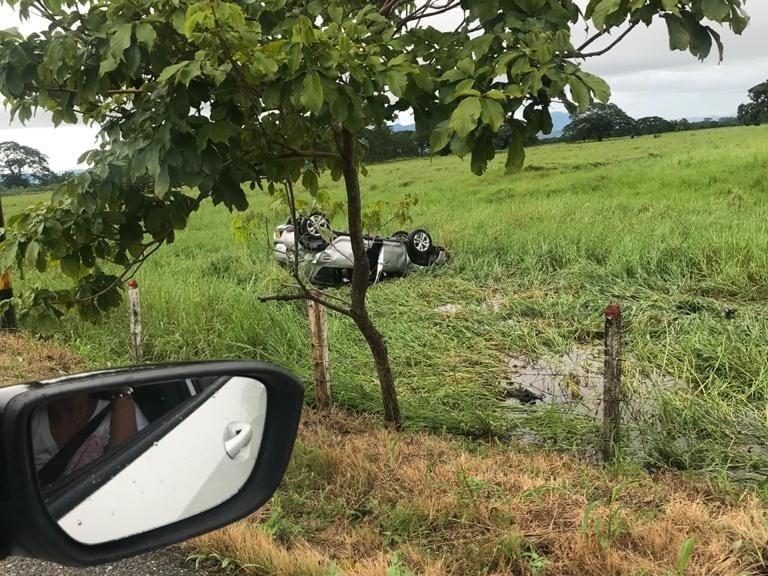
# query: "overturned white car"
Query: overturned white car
327,255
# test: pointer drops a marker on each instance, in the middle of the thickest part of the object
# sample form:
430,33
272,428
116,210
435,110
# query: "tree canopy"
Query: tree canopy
600,121
22,166
197,98
653,125
755,112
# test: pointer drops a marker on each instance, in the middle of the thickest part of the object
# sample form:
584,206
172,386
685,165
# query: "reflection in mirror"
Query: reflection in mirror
123,462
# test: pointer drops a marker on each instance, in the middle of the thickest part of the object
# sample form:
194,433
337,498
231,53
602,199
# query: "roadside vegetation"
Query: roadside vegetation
362,500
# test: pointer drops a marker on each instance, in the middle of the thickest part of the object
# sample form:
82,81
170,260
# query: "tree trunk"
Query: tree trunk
360,280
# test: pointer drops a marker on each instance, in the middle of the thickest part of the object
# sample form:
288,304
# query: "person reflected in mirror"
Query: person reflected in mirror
73,431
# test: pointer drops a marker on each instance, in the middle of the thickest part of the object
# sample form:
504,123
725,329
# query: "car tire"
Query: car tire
313,223
401,235
310,237
419,246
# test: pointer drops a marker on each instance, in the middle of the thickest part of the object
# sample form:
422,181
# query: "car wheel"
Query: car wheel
401,235
419,246
315,223
310,235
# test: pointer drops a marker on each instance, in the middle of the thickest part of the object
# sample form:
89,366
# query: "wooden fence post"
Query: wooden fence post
8,317
612,392
134,308
318,328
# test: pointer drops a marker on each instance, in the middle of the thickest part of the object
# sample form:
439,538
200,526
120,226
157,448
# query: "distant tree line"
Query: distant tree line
601,121
383,144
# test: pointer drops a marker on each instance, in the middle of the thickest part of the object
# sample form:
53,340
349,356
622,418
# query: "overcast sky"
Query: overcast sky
646,79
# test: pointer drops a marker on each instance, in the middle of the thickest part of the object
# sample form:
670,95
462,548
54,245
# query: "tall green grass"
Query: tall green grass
673,228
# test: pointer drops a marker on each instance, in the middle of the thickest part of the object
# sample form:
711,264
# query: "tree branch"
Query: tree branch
307,154
418,16
128,273
591,39
110,92
389,5
306,296
607,48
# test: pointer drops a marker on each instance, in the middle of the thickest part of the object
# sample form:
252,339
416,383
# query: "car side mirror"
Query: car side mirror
102,466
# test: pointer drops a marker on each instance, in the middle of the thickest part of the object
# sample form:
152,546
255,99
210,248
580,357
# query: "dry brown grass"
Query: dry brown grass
355,492
23,358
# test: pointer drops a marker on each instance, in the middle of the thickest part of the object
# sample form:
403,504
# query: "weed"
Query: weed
608,523
397,567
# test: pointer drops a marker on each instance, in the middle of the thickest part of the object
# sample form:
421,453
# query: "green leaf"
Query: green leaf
145,34
336,13
177,216
340,107
739,21
482,44
107,65
188,72
483,152
70,266
717,10
466,65
516,152
120,41
31,254
718,43
679,38
397,82
686,551
671,6
492,113
460,146
170,71
312,92
598,86
464,118
579,93
701,41
604,9
496,95
465,88
162,182
310,181
423,80
440,137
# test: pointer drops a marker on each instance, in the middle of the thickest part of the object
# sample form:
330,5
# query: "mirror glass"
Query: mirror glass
125,461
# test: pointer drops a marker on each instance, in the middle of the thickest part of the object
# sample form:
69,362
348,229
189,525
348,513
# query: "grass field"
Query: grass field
672,228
